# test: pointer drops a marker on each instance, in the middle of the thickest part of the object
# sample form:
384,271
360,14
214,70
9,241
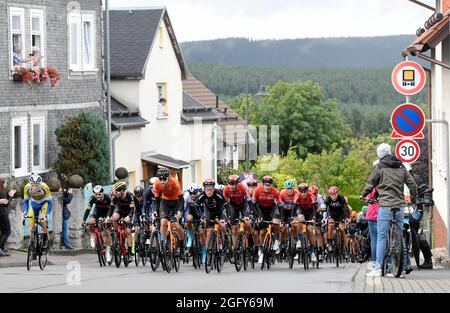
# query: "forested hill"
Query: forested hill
351,52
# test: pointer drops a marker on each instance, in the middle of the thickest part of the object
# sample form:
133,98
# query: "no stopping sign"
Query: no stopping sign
407,150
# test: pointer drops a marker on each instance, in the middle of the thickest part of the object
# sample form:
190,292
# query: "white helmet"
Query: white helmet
153,180
192,188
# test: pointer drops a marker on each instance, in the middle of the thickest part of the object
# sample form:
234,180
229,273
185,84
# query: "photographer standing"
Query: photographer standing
5,225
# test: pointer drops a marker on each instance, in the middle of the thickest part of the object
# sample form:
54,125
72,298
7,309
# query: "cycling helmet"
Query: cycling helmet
333,190
252,182
233,179
364,209
192,188
267,180
35,179
138,191
314,189
209,182
152,181
98,189
303,187
163,173
289,184
120,186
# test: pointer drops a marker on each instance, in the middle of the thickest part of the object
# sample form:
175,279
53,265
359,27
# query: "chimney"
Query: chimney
445,5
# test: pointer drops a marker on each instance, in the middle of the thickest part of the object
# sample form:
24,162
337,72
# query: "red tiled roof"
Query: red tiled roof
433,36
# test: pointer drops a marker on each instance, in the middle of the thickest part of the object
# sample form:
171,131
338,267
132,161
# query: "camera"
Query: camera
425,195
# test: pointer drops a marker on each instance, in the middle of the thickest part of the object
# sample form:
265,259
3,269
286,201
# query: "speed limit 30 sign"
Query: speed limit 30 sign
407,150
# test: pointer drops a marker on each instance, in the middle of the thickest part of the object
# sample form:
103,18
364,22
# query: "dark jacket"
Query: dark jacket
4,208
389,176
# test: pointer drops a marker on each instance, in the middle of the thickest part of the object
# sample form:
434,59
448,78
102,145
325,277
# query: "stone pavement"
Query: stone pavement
423,281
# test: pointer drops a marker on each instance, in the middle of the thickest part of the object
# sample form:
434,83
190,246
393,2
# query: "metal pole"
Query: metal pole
247,143
108,93
447,156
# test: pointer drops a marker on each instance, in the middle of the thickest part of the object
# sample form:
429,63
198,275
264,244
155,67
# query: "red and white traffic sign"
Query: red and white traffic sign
408,78
407,150
408,120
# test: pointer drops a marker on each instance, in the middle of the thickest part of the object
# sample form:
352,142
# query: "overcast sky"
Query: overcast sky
287,19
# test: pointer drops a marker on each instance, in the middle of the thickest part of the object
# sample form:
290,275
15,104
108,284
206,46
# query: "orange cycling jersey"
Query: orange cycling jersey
289,201
171,191
236,196
266,200
306,202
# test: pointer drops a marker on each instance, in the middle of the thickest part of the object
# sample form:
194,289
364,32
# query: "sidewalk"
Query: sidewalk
57,257
436,280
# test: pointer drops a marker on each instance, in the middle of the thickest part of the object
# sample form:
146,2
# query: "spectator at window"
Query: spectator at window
35,57
162,107
17,57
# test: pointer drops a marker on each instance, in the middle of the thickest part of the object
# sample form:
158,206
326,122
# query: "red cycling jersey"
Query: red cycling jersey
266,200
289,201
171,191
237,196
306,202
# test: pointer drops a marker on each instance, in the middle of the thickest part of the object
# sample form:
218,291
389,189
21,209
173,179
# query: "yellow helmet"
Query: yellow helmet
120,186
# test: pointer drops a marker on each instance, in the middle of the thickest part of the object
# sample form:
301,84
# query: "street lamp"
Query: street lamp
262,93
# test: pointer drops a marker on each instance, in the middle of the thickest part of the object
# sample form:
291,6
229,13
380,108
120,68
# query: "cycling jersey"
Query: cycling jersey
266,199
103,207
38,198
149,199
213,206
306,202
236,196
138,209
338,208
288,201
124,206
170,191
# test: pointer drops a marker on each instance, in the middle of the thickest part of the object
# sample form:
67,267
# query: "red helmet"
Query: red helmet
303,187
333,190
314,189
233,179
252,182
267,180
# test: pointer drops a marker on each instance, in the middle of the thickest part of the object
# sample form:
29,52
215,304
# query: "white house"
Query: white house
147,65
436,39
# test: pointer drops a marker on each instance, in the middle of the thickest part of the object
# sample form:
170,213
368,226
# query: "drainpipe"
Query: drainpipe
113,145
108,94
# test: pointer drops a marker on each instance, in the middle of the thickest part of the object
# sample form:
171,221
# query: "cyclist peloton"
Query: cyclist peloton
320,226
102,209
193,213
169,203
212,202
37,196
266,199
123,203
337,211
306,202
288,197
238,198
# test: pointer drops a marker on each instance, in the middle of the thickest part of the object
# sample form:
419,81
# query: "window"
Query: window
17,31
81,42
161,37
19,146
37,31
38,143
162,107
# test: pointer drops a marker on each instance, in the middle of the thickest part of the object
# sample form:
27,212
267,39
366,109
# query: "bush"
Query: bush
355,203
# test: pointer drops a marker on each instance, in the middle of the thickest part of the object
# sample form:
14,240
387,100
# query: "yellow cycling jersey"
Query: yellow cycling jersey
41,195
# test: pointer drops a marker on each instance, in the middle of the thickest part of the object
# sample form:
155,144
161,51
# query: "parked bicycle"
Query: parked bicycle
394,249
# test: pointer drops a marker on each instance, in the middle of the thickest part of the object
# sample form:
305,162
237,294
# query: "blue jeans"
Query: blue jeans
65,230
373,239
383,225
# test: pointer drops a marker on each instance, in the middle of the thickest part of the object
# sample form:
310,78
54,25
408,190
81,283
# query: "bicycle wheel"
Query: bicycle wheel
117,253
154,251
176,252
239,252
337,248
43,253
290,253
99,248
305,251
222,250
397,251
210,253
144,248
31,253
266,252
137,247
246,251
196,251
167,255
127,255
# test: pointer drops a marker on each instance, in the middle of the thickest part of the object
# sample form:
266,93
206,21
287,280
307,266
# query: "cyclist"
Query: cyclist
266,199
212,202
192,212
251,186
169,203
320,226
123,204
102,209
238,198
149,202
288,197
37,196
306,212
352,229
337,211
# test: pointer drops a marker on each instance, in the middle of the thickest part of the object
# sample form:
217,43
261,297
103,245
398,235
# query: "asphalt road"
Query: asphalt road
83,274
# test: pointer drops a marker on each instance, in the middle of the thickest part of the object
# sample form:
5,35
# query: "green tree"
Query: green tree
84,148
305,119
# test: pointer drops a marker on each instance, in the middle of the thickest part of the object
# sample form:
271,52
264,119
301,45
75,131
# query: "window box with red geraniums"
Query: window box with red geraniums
37,75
